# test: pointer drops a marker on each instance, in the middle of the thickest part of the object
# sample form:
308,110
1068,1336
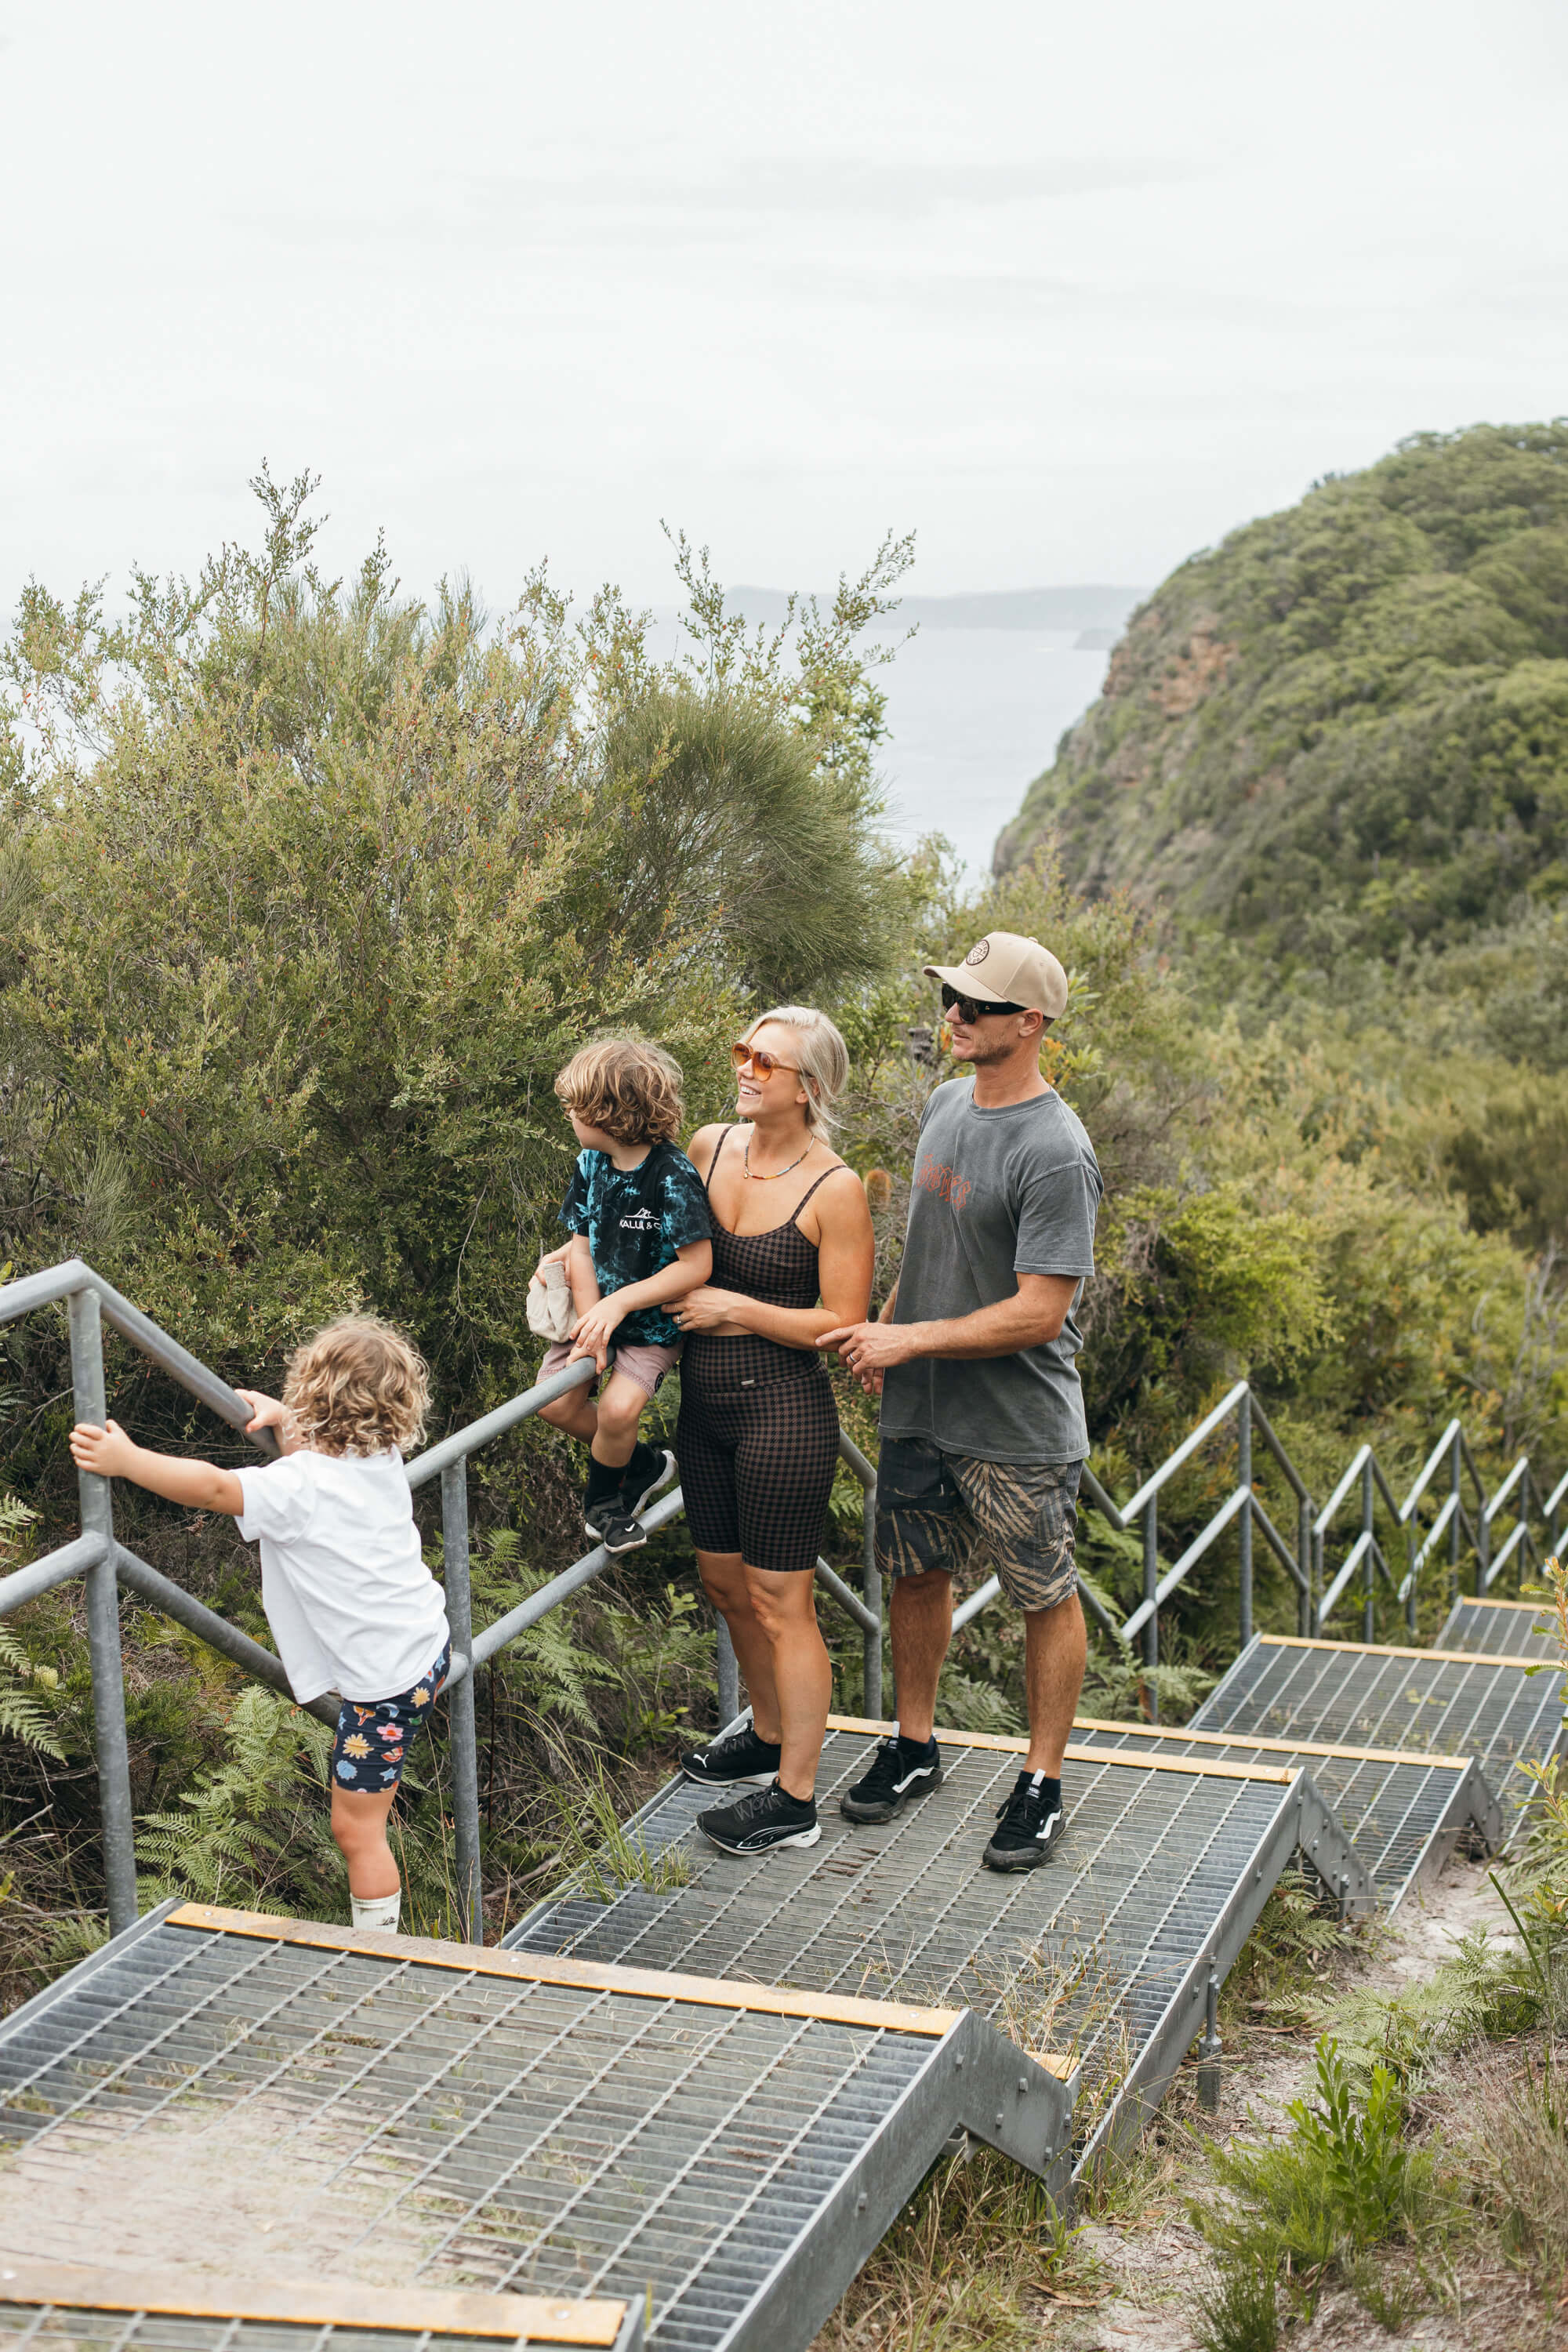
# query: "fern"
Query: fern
225,1843
24,1712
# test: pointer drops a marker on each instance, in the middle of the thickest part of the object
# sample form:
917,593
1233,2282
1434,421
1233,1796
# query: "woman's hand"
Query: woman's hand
708,1308
596,1328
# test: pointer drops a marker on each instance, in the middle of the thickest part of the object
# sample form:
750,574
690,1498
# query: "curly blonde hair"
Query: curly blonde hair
358,1388
630,1089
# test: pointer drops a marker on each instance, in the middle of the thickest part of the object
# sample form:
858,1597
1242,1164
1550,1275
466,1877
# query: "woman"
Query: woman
758,1434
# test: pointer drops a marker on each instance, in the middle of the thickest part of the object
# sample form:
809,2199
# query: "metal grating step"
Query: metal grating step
79,2305
1402,1812
1488,1707
417,2114
1099,1956
1521,1628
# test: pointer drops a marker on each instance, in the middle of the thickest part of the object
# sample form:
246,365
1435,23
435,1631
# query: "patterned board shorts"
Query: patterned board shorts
373,1734
947,1510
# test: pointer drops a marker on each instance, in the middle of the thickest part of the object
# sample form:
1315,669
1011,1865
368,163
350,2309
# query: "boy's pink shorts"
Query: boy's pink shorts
643,1364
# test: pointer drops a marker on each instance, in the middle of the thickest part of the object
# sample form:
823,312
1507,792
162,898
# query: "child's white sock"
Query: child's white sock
376,1910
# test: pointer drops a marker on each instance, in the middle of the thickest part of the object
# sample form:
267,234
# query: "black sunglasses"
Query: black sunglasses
972,1008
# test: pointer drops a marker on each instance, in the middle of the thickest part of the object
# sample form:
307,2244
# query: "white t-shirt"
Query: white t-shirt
352,1605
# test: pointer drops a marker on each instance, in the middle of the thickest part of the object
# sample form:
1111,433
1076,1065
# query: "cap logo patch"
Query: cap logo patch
978,953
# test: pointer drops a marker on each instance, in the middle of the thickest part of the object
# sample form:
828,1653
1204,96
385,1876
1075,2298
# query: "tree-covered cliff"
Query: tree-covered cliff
1345,729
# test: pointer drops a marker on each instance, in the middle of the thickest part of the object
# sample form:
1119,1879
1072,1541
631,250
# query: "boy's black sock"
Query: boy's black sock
645,1461
604,1479
1048,1792
915,1751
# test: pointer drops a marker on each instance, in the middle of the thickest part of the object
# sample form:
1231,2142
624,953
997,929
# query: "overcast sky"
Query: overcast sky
1070,290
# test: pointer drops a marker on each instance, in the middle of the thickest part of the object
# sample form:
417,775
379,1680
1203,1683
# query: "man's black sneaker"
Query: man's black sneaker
611,1524
899,1771
1031,1830
756,1824
740,1756
649,1472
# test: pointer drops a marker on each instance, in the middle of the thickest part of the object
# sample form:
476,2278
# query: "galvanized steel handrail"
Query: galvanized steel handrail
105,1563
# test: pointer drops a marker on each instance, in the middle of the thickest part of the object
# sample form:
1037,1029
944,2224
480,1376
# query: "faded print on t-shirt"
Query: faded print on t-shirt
996,1193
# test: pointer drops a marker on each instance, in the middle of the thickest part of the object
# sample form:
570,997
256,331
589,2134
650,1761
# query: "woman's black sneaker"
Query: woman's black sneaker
756,1824
1032,1825
740,1757
649,1472
611,1524
899,1770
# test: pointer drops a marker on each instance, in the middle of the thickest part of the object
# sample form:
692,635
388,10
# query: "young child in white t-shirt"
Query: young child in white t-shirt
352,1605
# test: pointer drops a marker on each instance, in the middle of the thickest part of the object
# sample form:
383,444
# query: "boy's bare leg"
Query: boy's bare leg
620,1407
723,1575
784,1608
921,1610
359,1826
575,1412
1055,1650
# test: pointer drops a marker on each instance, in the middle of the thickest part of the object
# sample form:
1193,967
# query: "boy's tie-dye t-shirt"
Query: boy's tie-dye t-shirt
636,1221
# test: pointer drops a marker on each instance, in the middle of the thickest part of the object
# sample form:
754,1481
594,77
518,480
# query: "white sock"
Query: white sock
376,1910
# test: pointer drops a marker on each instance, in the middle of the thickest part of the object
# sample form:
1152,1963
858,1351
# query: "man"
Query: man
984,1435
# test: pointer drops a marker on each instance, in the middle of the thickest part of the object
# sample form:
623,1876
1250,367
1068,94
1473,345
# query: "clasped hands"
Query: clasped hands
867,1350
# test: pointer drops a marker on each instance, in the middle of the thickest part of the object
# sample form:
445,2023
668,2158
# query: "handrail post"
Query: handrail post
1369,1603
729,1677
1483,1549
1455,1461
1244,1524
1523,1522
1151,1583
463,1737
110,1744
1410,1575
1317,1583
1304,1559
871,1588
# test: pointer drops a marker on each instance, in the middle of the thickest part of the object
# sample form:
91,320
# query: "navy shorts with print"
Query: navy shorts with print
372,1745
948,1511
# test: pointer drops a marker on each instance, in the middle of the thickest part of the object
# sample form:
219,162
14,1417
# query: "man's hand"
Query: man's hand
266,1412
867,1349
596,1329
107,1453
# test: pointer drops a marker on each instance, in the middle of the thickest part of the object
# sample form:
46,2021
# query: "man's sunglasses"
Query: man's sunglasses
970,1008
763,1064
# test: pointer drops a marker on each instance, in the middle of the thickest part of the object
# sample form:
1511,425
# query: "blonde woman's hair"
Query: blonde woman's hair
358,1388
630,1090
823,1060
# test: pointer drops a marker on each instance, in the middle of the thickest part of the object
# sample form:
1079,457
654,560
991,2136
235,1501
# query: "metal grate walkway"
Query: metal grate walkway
379,2108
1484,1706
1521,1628
1103,1958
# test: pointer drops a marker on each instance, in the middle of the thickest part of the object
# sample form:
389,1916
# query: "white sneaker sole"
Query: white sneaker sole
749,1852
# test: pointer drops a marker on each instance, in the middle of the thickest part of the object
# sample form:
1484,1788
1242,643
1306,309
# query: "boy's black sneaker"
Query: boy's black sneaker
740,1756
611,1524
1032,1825
649,1472
756,1824
899,1770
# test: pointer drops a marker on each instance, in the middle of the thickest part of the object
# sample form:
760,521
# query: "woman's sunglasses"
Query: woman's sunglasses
972,1008
763,1064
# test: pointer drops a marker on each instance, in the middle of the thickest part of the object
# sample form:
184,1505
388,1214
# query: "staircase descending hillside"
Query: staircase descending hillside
689,2094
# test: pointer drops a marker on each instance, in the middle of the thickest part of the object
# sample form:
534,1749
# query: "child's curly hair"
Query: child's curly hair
630,1090
358,1388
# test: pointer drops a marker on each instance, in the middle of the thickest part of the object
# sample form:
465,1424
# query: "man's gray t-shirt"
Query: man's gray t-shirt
995,1193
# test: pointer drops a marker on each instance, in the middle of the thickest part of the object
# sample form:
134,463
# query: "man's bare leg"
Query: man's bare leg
922,1611
1056,1649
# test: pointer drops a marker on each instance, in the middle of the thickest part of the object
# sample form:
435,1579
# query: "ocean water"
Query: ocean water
975,715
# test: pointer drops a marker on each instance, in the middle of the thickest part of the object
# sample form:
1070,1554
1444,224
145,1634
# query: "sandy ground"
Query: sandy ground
1158,2266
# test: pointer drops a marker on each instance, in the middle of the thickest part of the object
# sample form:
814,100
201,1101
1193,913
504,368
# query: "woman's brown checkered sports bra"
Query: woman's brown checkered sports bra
778,1267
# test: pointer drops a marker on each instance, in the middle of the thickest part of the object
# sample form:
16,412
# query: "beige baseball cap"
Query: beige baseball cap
1005,969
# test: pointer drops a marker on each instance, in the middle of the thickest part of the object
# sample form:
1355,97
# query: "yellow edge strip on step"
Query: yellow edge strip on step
1124,1756
1392,1650
309,2302
1536,1608
1275,1747
583,1976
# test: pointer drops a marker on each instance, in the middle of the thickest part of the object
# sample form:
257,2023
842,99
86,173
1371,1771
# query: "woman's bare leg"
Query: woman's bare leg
723,1575
785,1609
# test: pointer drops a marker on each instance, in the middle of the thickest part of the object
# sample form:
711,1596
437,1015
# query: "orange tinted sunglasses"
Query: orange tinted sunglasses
762,1064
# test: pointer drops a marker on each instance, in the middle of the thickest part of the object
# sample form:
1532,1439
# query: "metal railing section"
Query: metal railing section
105,1563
